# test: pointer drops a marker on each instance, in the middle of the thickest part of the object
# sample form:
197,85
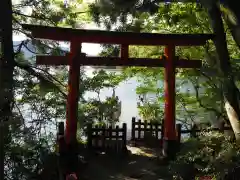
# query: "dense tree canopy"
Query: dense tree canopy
40,92
35,96
153,16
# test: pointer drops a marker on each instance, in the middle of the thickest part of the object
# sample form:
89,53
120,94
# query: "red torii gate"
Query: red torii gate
78,36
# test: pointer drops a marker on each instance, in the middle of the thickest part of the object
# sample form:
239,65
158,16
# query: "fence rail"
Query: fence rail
189,131
143,131
146,132
194,131
114,139
107,138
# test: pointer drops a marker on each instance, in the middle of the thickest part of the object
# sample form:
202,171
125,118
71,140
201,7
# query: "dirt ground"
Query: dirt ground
140,164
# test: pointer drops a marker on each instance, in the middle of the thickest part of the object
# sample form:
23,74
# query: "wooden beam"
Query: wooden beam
184,63
116,61
111,37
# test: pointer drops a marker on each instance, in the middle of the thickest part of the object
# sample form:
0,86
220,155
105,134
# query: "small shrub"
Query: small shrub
213,154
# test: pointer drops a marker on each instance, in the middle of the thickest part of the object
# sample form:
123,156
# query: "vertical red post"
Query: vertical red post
73,93
124,51
169,88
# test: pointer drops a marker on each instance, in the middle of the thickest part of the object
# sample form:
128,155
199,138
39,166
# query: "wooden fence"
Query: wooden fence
114,139
195,131
149,133
107,139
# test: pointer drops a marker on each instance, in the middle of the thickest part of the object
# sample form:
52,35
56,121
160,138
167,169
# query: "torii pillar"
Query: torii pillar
73,92
169,138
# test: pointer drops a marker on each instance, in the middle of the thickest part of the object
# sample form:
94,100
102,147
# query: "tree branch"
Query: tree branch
19,48
29,3
31,37
30,70
19,111
44,18
207,77
52,77
182,102
219,114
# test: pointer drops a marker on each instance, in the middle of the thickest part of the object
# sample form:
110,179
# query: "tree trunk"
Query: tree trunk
230,91
232,18
6,77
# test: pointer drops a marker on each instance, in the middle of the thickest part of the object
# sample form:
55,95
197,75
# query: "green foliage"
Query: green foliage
95,109
41,92
151,111
101,111
203,100
213,154
26,151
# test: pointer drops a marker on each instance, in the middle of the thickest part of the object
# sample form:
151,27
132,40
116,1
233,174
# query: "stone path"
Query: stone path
140,164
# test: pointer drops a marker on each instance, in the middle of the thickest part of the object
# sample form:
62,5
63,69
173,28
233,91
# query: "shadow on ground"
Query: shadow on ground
140,164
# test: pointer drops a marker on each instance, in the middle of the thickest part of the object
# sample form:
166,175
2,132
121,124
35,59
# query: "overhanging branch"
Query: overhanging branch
44,18
219,114
31,71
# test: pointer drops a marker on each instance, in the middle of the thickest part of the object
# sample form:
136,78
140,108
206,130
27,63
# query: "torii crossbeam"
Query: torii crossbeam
78,36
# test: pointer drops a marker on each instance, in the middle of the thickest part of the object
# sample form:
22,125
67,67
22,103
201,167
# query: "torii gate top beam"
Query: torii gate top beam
110,37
